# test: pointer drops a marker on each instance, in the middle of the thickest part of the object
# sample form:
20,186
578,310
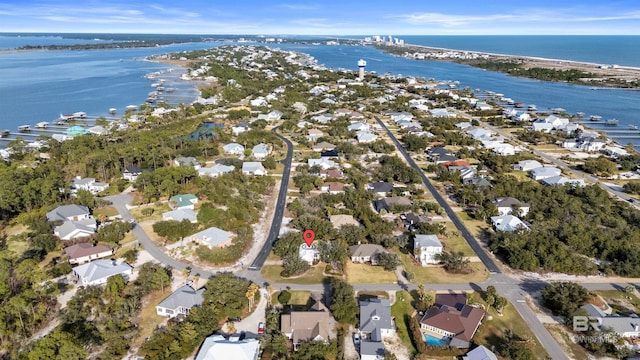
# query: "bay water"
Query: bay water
39,85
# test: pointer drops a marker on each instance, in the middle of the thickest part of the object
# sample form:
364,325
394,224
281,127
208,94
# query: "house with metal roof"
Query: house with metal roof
480,353
183,201
425,248
507,205
233,149
69,212
180,215
376,323
70,230
253,168
508,223
216,170
544,172
216,347
213,237
187,161
180,301
260,151
97,272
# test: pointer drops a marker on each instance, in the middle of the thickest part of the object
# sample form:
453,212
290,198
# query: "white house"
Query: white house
180,215
260,151
506,205
187,161
505,149
308,253
483,106
544,172
366,137
253,168
425,248
183,201
376,323
358,126
216,170
216,347
323,162
180,301
88,184
69,212
322,118
233,149
479,133
314,135
527,165
97,272
70,229
237,130
561,181
213,237
508,223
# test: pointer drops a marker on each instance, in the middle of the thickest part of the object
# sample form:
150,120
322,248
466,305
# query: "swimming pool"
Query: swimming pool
434,341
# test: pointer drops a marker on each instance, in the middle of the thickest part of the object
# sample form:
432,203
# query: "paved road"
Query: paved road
508,287
484,257
280,207
120,203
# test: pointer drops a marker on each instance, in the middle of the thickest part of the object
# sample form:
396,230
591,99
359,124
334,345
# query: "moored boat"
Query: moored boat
532,107
633,127
519,104
612,122
24,128
42,125
112,111
131,107
4,133
595,118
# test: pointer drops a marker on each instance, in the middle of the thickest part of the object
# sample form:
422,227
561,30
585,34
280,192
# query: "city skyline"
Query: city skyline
564,17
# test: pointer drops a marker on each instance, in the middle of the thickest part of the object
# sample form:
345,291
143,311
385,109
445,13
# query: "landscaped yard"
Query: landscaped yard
401,308
367,274
298,297
314,275
622,302
476,227
437,275
491,330
456,242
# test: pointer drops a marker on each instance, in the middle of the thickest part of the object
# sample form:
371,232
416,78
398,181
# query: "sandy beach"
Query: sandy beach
602,71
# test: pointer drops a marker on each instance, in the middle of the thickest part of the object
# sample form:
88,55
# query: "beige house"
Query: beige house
302,326
83,252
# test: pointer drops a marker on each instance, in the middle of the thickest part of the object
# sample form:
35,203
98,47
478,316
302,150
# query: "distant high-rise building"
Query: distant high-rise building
361,66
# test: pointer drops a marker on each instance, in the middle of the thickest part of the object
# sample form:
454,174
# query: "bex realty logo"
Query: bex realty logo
583,323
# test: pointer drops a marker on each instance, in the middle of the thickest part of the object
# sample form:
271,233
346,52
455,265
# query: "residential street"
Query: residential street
513,288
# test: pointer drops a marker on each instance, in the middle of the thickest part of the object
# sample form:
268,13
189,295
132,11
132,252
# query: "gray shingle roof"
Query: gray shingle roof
375,315
184,297
65,212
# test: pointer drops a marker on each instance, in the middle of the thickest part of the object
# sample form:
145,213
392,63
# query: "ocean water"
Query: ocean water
600,49
38,86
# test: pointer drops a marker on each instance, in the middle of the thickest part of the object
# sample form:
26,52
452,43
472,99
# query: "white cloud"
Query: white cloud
299,7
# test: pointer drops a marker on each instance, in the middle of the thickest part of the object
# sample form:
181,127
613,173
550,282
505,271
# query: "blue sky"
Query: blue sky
324,17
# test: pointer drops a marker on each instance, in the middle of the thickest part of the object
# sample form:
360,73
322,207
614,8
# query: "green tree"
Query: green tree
454,261
343,303
389,261
115,286
564,298
293,265
284,297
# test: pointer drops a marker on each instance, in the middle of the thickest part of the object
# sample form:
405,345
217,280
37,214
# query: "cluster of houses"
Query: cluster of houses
183,208
78,224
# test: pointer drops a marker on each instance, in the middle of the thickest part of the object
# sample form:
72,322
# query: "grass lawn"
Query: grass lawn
16,244
155,216
367,274
399,311
437,275
271,273
572,349
298,297
105,211
457,242
475,226
368,294
491,330
147,319
148,228
620,301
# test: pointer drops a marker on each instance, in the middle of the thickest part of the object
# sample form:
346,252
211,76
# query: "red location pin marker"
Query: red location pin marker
308,236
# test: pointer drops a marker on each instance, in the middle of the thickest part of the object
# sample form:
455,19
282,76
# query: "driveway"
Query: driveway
250,323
